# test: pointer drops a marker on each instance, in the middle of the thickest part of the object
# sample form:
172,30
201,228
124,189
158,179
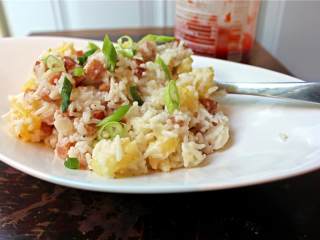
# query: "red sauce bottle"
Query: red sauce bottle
222,29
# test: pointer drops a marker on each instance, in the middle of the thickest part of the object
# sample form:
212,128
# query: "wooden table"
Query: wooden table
34,209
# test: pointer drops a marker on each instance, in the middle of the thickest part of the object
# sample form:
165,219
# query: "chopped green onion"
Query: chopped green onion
93,46
157,38
78,71
125,42
110,53
164,68
135,96
54,64
111,129
72,163
125,46
82,59
171,96
110,126
65,94
92,49
129,53
115,116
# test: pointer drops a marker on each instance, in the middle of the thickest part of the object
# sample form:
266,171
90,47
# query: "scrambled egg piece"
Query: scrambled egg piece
119,157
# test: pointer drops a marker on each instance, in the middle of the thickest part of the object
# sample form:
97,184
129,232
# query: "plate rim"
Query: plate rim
287,174
149,189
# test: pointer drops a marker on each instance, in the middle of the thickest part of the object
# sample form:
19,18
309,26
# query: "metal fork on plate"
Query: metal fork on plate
303,91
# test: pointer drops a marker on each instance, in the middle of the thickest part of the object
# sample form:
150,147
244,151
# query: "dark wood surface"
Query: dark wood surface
34,209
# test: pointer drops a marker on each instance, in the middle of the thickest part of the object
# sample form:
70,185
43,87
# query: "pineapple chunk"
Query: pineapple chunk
188,100
185,66
29,125
31,84
201,79
204,80
117,158
64,48
159,150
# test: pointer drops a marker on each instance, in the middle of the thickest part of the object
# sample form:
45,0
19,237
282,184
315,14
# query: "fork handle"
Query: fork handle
303,91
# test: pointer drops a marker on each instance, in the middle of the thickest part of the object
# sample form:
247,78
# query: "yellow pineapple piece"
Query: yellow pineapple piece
159,150
201,79
117,158
31,84
204,80
29,125
185,66
188,100
64,48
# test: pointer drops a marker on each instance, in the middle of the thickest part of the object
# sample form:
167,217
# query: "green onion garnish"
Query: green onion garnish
93,46
125,42
135,96
82,59
92,49
125,46
111,129
72,163
110,126
129,53
164,67
115,116
171,96
110,53
157,38
54,64
78,71
65,94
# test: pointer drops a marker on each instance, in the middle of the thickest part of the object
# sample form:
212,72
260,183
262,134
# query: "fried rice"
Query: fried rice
158,132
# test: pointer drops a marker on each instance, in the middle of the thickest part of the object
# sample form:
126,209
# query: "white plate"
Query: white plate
257,152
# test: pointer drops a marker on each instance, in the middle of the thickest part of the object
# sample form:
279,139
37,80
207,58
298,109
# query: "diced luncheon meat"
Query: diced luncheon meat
139,70
148,50
209,104
79,80
54,78
48,120
44,94
104,87
94,71
63,148
79,53
69,63
98,114
91,129
46,129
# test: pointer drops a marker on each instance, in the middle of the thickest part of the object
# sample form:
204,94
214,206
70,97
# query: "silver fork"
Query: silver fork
303,91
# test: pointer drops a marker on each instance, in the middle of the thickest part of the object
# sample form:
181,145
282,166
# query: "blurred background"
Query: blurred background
289,30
